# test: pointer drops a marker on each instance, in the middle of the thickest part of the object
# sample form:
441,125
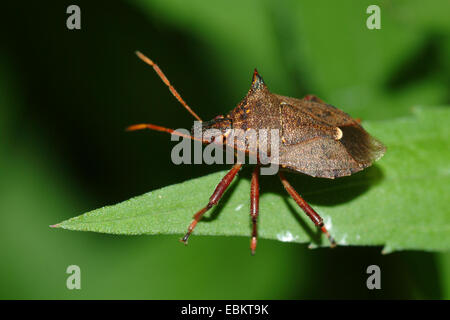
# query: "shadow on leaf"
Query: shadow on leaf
319,191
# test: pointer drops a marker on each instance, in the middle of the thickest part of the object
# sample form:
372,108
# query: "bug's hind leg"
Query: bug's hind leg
314,216
254,207
214,199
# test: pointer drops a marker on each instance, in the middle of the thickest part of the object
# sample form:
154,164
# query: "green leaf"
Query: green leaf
401,202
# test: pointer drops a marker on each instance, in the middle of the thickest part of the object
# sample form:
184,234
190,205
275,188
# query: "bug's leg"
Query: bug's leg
314,216
311,97
254,207
214,199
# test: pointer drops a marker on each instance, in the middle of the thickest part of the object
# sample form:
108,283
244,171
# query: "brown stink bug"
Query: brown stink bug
316,139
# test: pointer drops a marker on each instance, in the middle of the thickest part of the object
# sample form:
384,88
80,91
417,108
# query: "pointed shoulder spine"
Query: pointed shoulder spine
258,82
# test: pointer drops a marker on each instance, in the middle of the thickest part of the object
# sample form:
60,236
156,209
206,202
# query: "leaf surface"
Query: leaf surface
401,202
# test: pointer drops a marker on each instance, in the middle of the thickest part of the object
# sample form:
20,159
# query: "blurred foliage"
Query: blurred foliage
67,95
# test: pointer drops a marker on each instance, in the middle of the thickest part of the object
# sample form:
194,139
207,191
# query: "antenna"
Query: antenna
142,126
166,81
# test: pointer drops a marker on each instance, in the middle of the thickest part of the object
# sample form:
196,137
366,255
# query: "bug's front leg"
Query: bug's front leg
254,207
313,215
214,199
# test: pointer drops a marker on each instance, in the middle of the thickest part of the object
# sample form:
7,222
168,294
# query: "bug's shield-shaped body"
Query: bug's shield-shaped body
315,138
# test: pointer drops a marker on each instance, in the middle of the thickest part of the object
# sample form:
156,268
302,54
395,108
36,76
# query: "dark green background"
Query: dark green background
66,96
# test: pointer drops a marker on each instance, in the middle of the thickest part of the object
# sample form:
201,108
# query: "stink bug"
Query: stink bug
316,139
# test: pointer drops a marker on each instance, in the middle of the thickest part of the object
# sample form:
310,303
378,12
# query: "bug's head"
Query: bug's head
220,125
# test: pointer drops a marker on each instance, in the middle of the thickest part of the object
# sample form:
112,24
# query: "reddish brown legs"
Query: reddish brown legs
314,216
254,207
214,199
